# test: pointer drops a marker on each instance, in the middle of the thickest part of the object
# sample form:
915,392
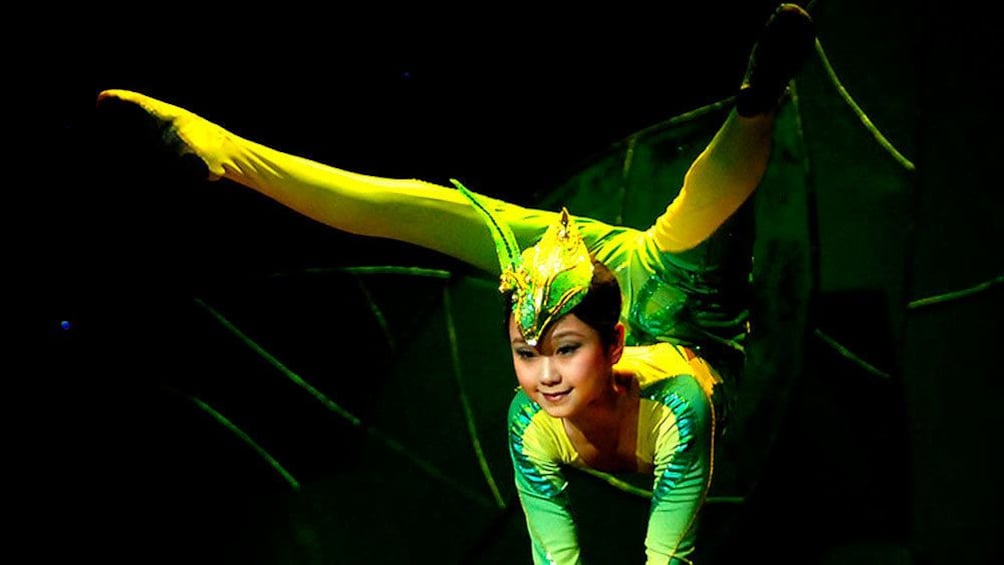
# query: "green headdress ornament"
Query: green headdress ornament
546,280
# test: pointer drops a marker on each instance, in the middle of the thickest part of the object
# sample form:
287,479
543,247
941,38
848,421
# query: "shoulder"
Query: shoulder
674,387
534,434
651,363
522,409
526,417
660,367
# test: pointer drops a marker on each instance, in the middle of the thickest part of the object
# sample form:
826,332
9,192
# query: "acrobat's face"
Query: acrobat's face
569,371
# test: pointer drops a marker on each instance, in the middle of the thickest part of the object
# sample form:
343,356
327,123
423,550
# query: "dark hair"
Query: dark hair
600,308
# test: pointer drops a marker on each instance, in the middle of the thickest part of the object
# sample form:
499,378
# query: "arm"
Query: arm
552,531
682,421
541,485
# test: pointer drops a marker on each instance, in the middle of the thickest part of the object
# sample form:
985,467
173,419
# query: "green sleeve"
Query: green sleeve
542,487
683,465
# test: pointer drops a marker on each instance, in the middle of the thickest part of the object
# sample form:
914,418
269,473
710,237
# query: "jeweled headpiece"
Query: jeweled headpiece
546,280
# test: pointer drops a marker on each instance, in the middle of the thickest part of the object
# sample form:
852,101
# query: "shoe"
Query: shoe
778,55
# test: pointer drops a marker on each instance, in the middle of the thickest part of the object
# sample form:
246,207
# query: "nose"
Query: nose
549,374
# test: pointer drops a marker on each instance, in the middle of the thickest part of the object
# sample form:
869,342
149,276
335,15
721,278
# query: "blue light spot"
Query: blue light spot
65,324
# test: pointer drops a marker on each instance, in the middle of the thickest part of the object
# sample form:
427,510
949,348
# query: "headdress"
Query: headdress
546,280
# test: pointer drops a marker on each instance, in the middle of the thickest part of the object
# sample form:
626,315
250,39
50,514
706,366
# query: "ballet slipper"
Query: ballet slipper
182,131
778,55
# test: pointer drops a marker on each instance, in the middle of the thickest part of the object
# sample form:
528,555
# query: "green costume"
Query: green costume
674,449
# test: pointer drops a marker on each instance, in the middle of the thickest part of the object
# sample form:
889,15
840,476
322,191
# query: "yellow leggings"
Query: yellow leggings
440,218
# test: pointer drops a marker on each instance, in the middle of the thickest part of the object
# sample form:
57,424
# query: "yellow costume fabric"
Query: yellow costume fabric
677,285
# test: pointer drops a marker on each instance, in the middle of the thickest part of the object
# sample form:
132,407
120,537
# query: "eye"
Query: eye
525,352
568,349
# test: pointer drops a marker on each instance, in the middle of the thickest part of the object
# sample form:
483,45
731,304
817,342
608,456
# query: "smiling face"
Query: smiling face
570,371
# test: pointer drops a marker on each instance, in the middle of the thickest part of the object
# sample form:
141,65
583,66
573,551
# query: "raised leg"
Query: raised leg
731,167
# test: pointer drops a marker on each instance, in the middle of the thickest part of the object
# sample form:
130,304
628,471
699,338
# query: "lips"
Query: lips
555,396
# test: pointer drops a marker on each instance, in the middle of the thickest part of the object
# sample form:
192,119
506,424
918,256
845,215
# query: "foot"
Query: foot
181,132
782,49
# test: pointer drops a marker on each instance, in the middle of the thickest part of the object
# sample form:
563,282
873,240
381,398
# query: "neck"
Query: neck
605,417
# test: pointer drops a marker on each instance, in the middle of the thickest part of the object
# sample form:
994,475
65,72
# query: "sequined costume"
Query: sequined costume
697,297
674,451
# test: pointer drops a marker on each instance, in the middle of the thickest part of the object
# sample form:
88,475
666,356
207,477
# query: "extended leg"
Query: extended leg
409,210
732,165
717,183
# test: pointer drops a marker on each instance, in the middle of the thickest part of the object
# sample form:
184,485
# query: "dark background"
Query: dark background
112,460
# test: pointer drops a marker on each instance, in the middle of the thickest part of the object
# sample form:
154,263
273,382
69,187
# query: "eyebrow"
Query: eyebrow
567,333
564,333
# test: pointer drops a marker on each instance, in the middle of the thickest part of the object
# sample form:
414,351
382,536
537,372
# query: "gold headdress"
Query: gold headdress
546,280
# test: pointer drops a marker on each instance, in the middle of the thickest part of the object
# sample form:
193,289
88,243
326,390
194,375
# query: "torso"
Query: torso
614,452
633,450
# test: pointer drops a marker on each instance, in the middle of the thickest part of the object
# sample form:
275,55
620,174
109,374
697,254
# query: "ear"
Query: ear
617,347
